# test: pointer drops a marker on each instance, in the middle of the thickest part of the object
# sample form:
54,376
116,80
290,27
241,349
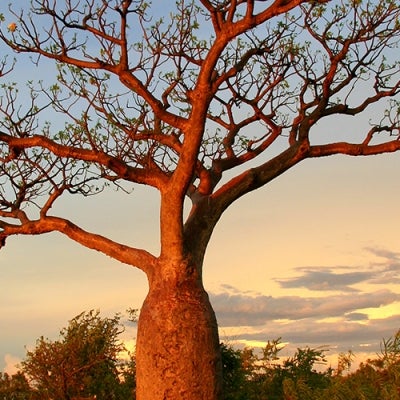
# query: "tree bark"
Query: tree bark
178,354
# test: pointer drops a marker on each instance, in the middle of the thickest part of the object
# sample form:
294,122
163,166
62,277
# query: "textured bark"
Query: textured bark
177,345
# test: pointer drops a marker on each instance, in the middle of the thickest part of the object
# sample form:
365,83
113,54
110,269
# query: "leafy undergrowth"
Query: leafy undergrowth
248,376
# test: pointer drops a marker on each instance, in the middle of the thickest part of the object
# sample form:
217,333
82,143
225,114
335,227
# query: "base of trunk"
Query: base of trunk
178,355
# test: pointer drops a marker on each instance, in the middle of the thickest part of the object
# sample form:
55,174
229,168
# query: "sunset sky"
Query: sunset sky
313,257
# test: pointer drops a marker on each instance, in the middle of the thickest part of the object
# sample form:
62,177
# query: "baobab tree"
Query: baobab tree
203,100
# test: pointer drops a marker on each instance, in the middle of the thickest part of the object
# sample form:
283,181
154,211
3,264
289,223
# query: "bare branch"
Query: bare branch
178,102
128,255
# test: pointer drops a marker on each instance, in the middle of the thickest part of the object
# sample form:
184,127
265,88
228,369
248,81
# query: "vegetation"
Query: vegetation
201,100
15,387
86,363
297,378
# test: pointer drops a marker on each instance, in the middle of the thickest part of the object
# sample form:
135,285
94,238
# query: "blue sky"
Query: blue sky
313,257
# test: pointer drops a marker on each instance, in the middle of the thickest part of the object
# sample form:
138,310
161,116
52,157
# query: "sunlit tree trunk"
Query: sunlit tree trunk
178,353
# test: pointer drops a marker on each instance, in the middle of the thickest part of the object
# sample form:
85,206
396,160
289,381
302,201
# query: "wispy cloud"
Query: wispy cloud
356,316
391,256
342,278
340,336
245,310
323,279
337,311
11,364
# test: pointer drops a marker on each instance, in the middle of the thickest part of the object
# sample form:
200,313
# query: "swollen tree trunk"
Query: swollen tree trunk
178,353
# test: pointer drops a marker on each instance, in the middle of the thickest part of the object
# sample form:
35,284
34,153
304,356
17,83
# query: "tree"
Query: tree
234,375
207,102
15,387
298,375
84,362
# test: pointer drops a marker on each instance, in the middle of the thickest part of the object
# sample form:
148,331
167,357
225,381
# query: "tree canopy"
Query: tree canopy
84,362
202,100
178,101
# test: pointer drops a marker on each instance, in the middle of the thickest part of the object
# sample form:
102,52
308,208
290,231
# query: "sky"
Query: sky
313,258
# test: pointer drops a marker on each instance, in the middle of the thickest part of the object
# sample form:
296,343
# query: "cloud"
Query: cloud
342,336
232,289
323,279
11,364
384,253
355,316
244,310
338,312
388,270
342,278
